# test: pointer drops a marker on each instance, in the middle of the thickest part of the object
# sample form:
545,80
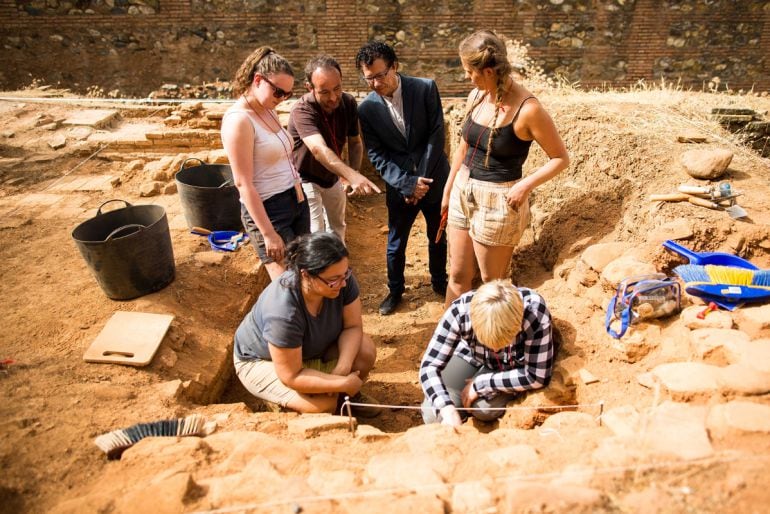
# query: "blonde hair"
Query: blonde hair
262,61
485,49
497,311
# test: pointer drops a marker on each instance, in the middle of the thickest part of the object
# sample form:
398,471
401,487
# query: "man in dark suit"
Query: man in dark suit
403,127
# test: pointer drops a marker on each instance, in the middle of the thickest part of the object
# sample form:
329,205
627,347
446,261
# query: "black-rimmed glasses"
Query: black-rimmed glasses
379,76
277,91
337,281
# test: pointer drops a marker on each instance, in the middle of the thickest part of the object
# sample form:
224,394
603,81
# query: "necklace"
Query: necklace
295,175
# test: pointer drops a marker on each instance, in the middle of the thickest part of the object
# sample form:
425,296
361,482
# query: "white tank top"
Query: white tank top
272,168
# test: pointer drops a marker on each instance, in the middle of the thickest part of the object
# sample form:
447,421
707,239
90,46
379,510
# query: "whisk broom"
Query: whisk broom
731,283
116,442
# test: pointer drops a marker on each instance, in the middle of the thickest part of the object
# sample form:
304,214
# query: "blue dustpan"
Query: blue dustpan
716,258
729,293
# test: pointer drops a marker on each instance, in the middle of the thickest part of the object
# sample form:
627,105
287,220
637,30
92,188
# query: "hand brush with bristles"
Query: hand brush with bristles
727,282
116,442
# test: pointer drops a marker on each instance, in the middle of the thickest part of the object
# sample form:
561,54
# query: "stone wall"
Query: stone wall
137,45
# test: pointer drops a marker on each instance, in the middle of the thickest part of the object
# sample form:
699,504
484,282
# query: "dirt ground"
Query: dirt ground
623,148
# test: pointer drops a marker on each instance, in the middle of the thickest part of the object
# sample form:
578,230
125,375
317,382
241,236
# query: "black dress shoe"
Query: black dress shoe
439,289
390,303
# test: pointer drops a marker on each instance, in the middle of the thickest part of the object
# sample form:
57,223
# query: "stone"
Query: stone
756,355
718,346
171,390
57,141
369,434
159,175
623,267
162,495
170,453
135,165
218,157
754,320
472,497
311,425
404,470
170,189
150,188
597,296
599,255
333,482
423,502
535,497
687,381
570,421
167,358
432,438
587,377
684,427
519,457
639,340
691,137
95,118
622,421
677,229
242,450
706,164
738,416
716,319
742,379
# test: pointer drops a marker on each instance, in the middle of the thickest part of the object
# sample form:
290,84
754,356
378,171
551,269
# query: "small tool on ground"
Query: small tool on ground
711,307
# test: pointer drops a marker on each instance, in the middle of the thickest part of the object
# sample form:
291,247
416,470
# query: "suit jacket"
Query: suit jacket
400,160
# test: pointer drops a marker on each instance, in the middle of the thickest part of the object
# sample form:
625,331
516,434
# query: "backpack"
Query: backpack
642,297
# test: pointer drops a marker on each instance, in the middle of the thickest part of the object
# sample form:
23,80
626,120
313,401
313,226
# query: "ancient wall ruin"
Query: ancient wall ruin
135,46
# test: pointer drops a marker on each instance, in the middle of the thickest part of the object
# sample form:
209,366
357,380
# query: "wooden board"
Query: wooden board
130,338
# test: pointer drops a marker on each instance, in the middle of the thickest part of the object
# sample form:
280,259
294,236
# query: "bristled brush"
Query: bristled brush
116,442
726,282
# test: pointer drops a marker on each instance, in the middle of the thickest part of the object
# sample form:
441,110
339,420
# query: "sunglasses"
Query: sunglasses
378,76
277,91
337,281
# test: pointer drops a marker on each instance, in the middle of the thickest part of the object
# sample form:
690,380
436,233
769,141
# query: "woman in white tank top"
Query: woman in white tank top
274,210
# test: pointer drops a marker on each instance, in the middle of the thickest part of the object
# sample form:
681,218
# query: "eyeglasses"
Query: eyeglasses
337,281
378,76
277,91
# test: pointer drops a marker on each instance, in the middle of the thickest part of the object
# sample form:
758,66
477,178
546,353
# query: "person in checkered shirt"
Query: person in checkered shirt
490,345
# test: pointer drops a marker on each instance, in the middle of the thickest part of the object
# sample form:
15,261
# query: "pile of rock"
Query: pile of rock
216,89
750,124
195,115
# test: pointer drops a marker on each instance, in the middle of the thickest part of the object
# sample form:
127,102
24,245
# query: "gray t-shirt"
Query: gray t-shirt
280,317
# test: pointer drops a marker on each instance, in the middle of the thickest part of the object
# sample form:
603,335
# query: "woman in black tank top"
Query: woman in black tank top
486,198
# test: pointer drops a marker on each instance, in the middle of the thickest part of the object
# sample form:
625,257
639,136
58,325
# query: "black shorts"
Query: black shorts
289,218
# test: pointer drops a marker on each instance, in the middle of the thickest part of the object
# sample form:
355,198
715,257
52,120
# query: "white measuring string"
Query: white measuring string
706,461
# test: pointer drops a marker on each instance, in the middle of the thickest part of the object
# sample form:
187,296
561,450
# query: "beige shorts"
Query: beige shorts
480,208
259,378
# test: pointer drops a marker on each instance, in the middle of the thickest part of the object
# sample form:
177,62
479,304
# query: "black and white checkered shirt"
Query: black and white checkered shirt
525,364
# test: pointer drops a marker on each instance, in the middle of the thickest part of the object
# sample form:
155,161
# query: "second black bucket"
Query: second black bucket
209,196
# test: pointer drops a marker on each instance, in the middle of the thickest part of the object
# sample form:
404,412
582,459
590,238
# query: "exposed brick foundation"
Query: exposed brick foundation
137,45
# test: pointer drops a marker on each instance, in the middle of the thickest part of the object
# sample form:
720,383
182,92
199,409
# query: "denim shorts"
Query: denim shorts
289,218
480,207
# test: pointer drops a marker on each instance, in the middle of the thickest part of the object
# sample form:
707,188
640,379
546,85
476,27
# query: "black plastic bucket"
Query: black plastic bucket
128,250
209,196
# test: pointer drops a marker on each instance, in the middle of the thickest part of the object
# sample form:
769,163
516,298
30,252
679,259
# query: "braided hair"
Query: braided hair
262,61
485,49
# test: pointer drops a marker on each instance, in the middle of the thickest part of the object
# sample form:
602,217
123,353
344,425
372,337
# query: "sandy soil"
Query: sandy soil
623,148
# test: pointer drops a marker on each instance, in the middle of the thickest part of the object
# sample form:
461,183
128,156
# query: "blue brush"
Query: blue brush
725,283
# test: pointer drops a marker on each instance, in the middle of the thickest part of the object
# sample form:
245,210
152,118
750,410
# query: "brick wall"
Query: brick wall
137,45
